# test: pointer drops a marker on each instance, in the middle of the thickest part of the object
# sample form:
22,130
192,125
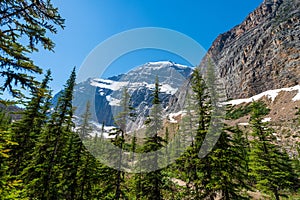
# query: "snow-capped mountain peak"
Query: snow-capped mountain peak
105,94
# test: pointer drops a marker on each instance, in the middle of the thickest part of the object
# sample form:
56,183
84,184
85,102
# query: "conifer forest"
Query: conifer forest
48,153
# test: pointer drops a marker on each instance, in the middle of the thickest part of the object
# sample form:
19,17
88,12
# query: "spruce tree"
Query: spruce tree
74,155
151,183
228,167
25,26
133,146
121,121
43,173
81,177
27,130
269,164
195,172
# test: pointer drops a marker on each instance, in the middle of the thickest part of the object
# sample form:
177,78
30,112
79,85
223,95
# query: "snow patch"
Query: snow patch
172,116
272,94
103,80
113,101
160,65
297,97
243,123
266,119
111,85
106,131
115,85
166,88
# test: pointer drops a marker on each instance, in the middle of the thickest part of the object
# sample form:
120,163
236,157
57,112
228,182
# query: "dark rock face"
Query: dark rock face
261,53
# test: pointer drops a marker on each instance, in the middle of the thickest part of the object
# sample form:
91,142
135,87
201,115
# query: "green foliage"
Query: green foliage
58,166
269,165
25,25
27,130
238,112
43,173
194,171
9,187
229,165
42,156
150,185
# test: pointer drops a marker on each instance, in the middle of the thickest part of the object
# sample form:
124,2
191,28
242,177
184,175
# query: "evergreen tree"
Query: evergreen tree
6,184
133,146
43,174
24,21
228,166
269,165
151,184
195,172
241,148
27,130
121,121
81,170
74,155
222,170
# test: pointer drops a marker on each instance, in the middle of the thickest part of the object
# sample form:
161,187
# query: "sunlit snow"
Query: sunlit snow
271,94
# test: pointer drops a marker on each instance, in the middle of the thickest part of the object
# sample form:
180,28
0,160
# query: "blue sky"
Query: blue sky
89,23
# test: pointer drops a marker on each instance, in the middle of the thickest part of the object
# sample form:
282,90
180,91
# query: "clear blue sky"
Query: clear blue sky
89,23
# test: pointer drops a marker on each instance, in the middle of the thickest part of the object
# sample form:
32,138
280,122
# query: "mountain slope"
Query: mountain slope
105,94
262,53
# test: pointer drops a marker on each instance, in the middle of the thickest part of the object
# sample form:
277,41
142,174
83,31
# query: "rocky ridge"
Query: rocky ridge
262,53
105,95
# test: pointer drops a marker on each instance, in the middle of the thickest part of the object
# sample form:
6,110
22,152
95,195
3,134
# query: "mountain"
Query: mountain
259,59
260,54
105,94
13,111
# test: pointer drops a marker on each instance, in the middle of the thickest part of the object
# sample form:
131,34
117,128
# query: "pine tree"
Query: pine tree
228,167
151,184
9,185
229,164
221,170
43,173
133,146
81,170
74,155
27,130
24,21
241,148
121,121
195,172
269,165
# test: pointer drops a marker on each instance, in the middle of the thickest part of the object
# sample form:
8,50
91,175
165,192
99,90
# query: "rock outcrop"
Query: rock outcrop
262,53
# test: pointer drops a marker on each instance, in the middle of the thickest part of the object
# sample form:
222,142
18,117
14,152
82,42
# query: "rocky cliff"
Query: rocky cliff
260,60
262,53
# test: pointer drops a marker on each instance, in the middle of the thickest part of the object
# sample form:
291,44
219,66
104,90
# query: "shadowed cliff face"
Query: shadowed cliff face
261,53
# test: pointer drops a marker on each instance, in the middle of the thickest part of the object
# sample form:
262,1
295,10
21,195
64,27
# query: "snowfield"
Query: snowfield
271,94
